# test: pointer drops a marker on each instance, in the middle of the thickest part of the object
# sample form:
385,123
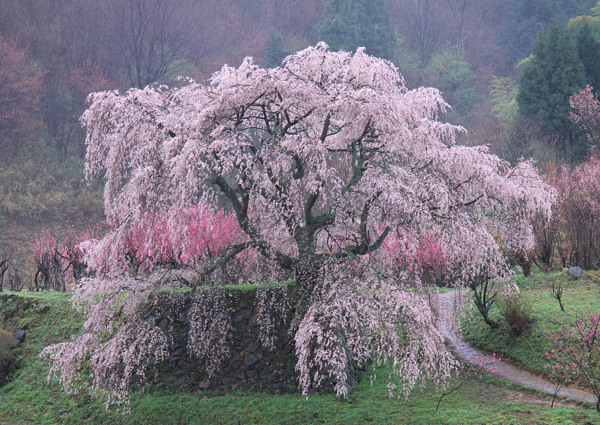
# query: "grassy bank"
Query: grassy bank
528,349
28,399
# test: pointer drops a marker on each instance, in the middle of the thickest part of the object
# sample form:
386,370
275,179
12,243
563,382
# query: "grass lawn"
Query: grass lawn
29,399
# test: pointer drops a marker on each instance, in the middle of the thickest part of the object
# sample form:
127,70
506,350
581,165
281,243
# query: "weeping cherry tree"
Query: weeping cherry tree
320,160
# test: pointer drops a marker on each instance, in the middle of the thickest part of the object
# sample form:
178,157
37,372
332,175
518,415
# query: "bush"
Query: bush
516,312
7,356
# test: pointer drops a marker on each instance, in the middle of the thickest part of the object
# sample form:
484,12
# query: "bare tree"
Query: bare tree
151,36
422,23
15,280
5,257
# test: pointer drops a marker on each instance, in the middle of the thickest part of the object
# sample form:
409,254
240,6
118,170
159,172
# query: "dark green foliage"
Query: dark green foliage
526,17
549,78
275,49
484,296
588,48
359,23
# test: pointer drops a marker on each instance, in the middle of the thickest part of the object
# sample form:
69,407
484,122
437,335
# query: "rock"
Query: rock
204,385
178,353
240,376
163,324
250,360
20,335
575,272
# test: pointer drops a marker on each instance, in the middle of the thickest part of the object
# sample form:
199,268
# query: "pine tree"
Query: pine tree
588,48
551,76
275,49
525,17
359,23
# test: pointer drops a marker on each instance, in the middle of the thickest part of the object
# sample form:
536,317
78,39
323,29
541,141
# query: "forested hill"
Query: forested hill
73,47
54,53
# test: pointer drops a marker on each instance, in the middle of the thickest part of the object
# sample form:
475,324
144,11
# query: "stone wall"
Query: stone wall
250,364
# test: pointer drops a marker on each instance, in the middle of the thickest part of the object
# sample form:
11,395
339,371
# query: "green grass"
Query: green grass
29,399
528,349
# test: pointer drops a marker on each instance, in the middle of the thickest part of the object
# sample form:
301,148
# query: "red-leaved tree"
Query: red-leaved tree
319,160
20,85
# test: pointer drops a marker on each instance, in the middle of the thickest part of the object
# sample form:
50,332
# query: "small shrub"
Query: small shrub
7,356
516,312
557,290
576,353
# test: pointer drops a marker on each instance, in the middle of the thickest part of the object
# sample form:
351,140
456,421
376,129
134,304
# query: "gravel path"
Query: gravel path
461,349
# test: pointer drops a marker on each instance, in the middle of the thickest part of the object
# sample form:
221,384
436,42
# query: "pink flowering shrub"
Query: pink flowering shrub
586,114
576,353
118,342
421,254
193,239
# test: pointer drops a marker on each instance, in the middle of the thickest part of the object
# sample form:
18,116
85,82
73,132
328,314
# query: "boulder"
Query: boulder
575,272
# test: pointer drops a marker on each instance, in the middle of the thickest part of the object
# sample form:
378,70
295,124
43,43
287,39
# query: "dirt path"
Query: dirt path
447,303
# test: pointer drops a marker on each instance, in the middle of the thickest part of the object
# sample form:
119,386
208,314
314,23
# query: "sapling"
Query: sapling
576,353
557,292
472,369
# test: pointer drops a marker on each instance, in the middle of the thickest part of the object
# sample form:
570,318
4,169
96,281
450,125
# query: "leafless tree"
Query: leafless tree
422,23
152,34
5,257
